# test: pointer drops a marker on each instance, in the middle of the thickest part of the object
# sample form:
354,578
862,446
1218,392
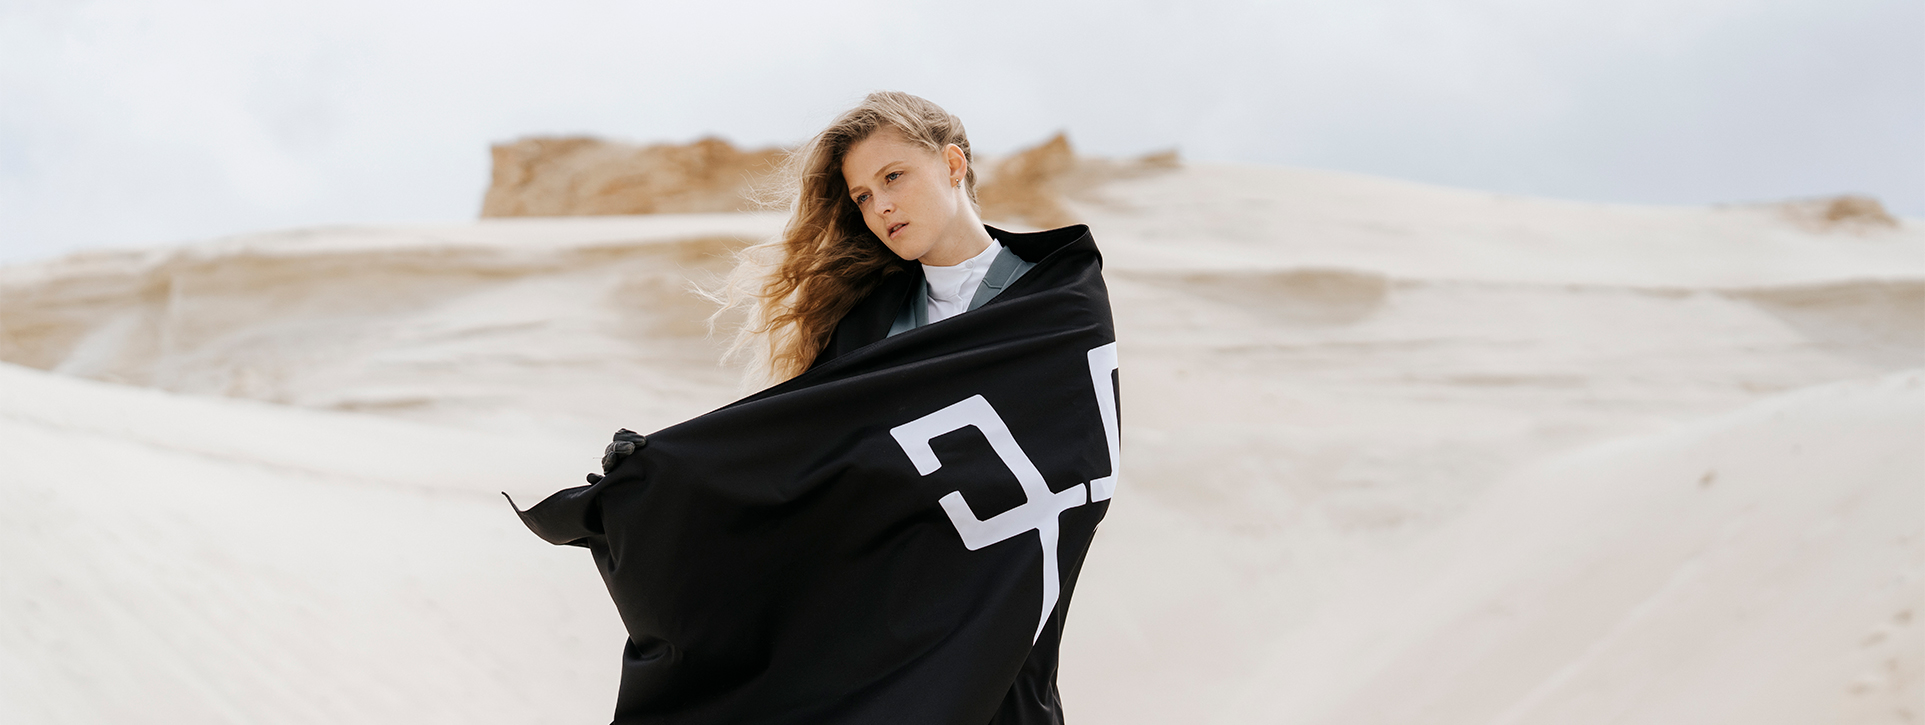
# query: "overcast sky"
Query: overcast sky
129,122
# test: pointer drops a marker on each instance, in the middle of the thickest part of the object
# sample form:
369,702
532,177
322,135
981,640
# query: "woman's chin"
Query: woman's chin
908,252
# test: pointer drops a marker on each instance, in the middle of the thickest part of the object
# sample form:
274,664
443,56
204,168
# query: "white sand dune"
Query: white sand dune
1397,454
171,559
1762,566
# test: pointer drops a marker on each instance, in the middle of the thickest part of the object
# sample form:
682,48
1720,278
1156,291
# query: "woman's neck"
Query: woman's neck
962,243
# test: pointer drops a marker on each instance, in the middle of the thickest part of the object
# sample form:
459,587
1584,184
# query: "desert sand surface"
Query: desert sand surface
1395,454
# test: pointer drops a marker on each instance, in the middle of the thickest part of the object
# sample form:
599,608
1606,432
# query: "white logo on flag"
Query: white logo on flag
1041,506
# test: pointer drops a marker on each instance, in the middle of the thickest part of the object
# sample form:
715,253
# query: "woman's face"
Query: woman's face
908,195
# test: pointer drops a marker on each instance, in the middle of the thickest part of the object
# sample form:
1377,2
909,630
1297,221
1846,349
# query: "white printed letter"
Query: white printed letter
1039,510
1102,362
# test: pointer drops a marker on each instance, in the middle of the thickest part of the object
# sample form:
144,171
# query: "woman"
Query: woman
859,542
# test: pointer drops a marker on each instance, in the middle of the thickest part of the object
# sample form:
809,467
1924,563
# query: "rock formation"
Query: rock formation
583,176
1840,213
1026,185
1031,185
580,176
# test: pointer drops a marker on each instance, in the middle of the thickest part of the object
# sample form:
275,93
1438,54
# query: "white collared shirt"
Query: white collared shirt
951,288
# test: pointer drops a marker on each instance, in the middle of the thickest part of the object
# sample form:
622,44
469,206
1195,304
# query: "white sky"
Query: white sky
135,122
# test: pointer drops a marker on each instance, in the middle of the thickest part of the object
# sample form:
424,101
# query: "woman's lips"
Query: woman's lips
896,228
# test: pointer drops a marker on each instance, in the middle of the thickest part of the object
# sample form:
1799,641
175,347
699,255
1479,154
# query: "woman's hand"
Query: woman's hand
626,442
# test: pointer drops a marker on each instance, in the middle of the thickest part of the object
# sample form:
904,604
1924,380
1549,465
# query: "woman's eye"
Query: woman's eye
893,174
860,198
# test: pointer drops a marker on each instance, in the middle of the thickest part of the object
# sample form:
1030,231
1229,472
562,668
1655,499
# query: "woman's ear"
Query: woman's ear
958,163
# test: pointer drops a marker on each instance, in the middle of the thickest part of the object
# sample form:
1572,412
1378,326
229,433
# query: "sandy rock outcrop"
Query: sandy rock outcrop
1840,213
580,176
1031,185
1026,184
585,176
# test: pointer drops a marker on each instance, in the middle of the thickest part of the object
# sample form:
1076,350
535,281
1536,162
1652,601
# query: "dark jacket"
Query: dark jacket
896,304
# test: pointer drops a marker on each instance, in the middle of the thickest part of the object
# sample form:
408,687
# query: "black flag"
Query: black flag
890,537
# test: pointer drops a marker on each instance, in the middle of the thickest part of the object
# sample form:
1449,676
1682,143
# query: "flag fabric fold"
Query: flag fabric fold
891,537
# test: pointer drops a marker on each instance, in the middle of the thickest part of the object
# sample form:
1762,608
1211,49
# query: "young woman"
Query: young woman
890,530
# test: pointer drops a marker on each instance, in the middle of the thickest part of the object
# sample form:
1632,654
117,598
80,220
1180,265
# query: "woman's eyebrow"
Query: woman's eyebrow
880,172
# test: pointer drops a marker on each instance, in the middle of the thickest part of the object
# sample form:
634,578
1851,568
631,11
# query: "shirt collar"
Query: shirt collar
947,283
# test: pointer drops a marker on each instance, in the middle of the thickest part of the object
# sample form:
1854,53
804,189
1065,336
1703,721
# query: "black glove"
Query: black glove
626,442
